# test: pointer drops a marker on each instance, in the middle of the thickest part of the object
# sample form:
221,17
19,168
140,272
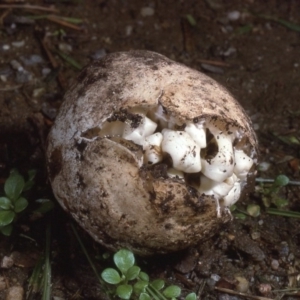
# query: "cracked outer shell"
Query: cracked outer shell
101,182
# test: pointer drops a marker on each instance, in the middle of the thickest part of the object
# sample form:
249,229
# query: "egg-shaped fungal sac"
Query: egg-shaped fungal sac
148,154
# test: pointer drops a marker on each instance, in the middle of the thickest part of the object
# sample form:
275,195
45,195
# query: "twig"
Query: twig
265,180
11,88
214,62
4,15
232,292
201,288
187,36
185,280
53,62
59,21
29,6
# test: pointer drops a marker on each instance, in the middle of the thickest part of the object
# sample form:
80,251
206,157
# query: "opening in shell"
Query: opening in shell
203,153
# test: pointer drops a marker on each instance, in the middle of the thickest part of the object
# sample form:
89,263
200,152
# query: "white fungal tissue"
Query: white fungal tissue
199,148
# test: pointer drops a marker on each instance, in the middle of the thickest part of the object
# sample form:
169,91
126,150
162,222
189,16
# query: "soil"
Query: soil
251,47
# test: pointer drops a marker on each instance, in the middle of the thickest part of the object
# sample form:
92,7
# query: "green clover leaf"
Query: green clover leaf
6,217
20,204
111,276
172,291
133,272
124,291
124,259
5,203
191,296
144,296
14,185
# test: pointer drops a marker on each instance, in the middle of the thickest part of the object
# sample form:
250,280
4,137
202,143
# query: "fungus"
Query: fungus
152,147
147,158
221,165
185,153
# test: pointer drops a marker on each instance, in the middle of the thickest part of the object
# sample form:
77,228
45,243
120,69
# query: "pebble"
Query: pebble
211,282
32,60
2,284
46,71
275,264
18,44
128,30
98,54
264,166
187,262
243,243
16,65
229,51
38,92
147,11
65,47
15,293
233,15
256,126
5,47
3,78
291,257
215,277
227,29
49,111
264,288
24,259
242,284
23,76
255,235
284,249
7,262
212,69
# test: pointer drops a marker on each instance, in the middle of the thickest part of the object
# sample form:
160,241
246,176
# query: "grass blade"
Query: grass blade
284,23
87,256
157,295
283,213
35,280
70,20
47,267
69,60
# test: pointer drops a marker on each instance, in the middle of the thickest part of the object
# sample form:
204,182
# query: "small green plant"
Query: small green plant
40,280
252,210
13,202
271,195
129,282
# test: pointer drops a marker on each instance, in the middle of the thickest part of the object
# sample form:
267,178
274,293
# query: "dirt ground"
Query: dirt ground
252,47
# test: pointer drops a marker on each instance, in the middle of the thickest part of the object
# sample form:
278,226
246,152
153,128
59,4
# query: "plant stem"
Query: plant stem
87,255
284,213
157,295
47,268
266,180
